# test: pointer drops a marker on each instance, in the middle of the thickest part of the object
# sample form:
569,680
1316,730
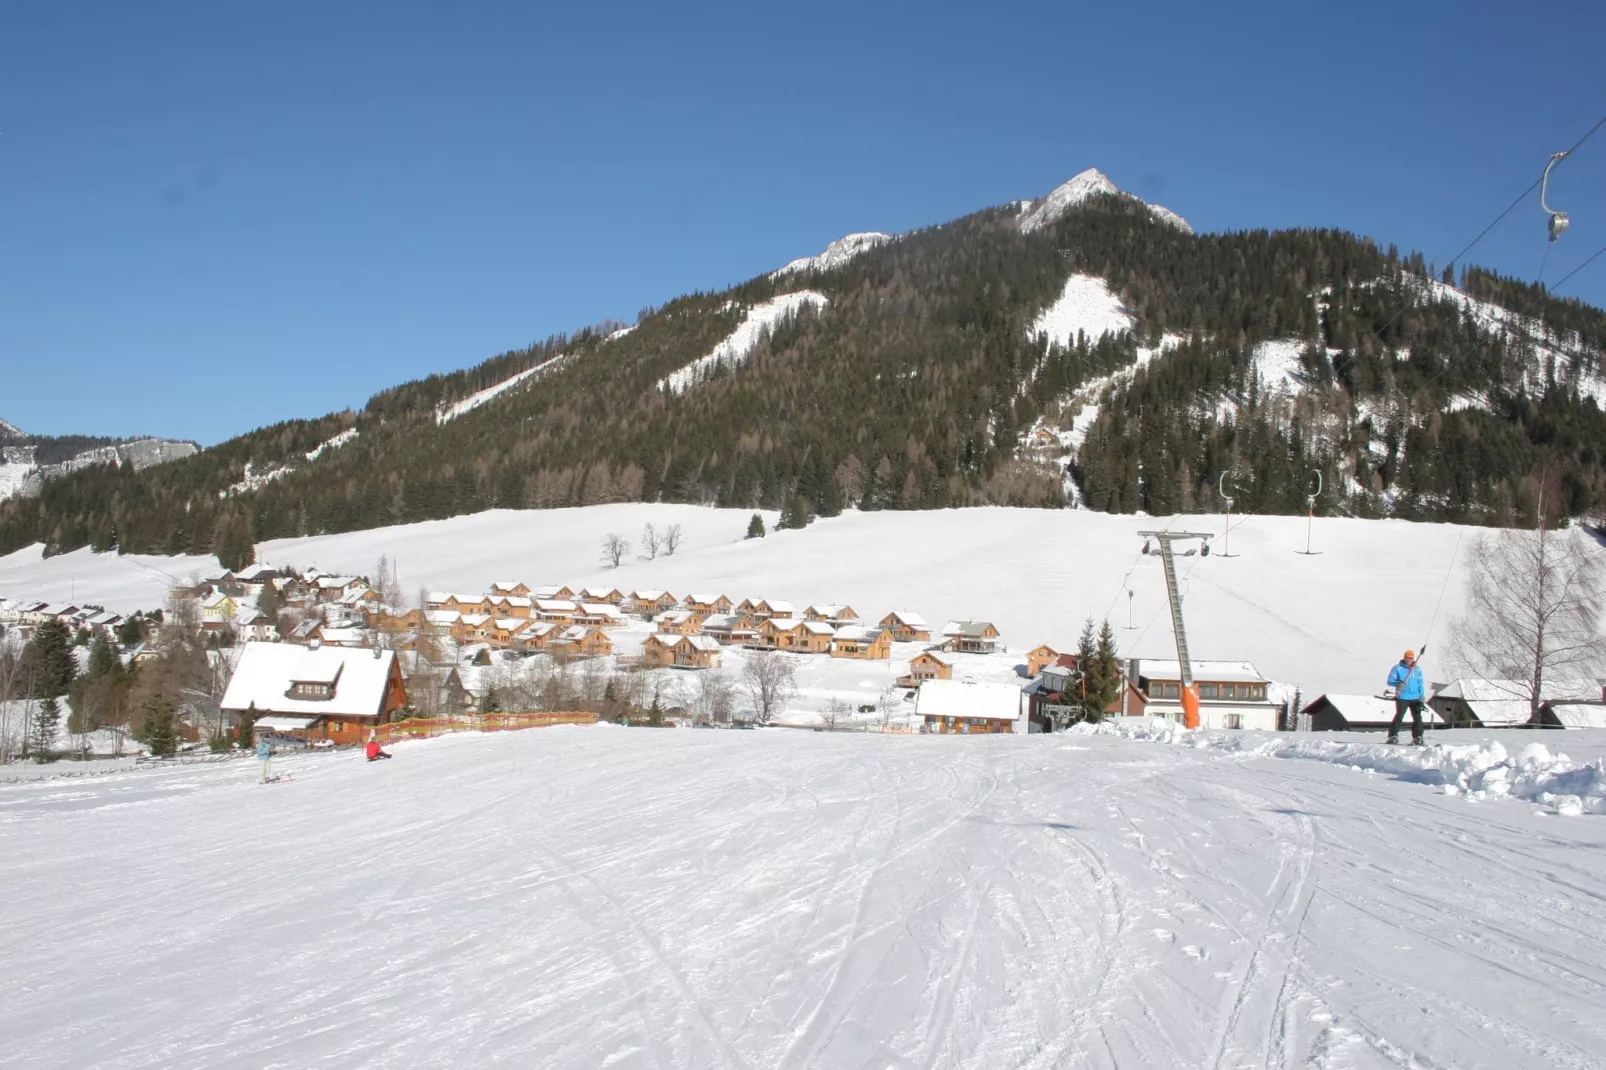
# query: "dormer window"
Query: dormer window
304,689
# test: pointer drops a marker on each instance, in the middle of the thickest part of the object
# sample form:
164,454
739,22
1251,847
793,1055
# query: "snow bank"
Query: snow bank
1479,771
836,254
735,350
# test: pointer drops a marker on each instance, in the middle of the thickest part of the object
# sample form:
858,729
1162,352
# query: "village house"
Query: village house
729,629
561,592
1038,657
333,588
1359,713
658,651
512,605
611,595
648,604
440,621
414,620
463,629
852,641
708,605
510,587
678,622
907,627
218,630
256,578
1053,701
1474,703
954,707
467,603
257,628
601,614
1568,714
536,633
580,641
831,614
796,634
219,606
359,598
309,695
305,632
663,650
970,637
765,608
928,665
343,637
1232,694
561,610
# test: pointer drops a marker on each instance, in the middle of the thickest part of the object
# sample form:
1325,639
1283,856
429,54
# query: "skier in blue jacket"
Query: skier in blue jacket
1406,681
265,758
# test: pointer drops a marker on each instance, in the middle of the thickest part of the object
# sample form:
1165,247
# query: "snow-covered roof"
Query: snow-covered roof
548,591
285,724
828,610
216,598
511,624
818,627
1222,672
937,656
649,596
960,698
1579,714
600,609
599,592
705,599
514,601
857,633
506,586
266,671
700,642
1368,709
556,605
777,607
1473,690
975,628
442,616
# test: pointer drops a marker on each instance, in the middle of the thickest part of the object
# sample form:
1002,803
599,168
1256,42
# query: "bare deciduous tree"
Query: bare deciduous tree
651,541
768,678
837,713
1534,604
615,548
714,696
386,585
672,539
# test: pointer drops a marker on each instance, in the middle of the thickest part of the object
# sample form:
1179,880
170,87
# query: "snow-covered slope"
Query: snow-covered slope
625,898
734,350
475,400
1279,364
1072,193
1086,306
836,254
1333,622
10,430
252,479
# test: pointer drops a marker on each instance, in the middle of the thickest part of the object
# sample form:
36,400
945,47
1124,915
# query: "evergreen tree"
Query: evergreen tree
655,713
159,727
103,659
42,737
755,527
1084,681
1106,682
53,660
130,632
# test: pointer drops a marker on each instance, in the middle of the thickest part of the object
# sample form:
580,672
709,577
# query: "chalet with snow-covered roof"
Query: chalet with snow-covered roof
681,652
601,614
765,608
955,707
611,595
928,665
439,621
1566,714
1039,657
467,603
907,627
831,614
512,605
1232,694
648,604
678,622
970,637
561,610
580,641
708,605
359,597
729,629
414,620
537,633
854,641
304,632
1359,713
466,625
1475,703
510,587
344,637
219,606
796,634
257,628
256,578
559,592
327,693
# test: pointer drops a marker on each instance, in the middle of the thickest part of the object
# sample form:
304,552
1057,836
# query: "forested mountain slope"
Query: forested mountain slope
952,366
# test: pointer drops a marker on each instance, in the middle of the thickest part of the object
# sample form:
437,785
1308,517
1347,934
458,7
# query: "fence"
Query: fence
425,728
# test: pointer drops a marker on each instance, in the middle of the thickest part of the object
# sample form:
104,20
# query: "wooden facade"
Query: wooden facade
906,627
870,644
707,605
1039,657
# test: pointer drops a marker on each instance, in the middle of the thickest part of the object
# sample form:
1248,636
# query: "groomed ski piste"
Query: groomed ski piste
611,897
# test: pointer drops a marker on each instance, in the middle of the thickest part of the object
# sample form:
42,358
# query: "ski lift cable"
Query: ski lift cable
1444,586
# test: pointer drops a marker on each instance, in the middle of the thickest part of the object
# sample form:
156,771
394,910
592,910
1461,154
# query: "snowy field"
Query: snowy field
1332,622
604,897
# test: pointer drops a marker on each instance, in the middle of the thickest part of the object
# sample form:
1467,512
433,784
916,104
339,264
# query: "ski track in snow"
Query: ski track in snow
635,898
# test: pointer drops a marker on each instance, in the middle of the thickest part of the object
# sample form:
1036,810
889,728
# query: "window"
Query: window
1233,720
1257,691
1209,691
337,726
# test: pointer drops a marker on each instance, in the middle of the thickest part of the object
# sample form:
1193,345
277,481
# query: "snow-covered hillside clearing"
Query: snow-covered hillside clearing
252,479
478,398
1334,622
734,350
603,897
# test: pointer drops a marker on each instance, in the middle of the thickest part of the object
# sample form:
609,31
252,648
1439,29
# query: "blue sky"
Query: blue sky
217,216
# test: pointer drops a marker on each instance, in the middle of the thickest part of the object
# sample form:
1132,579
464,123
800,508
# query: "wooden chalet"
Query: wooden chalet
678,622
765,608
1038,657
907,627
463,629
648,604
730,629
295,694
796,634
580,641
831,614
510,587
852,641
708,605
681,652
561,610
928,665
601,614
954,707
512,605
611,595
970,637
561,592
467,603
439,622
414,620
537,633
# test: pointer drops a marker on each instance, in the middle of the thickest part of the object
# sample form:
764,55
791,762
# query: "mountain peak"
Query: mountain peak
836,254
9,430
1087,184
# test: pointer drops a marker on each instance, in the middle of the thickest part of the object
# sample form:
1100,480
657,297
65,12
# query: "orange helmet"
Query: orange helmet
1410,655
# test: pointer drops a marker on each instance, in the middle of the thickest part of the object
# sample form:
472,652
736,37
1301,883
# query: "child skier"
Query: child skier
265,759
1406,681
373,750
